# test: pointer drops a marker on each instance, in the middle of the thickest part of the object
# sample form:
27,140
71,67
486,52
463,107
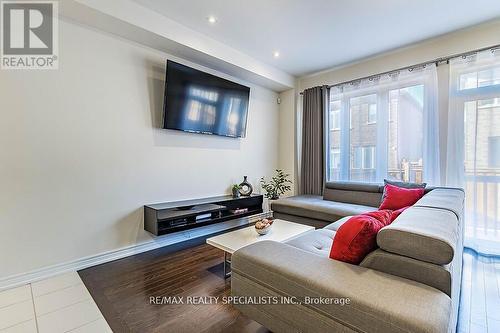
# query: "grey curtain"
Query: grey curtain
314,110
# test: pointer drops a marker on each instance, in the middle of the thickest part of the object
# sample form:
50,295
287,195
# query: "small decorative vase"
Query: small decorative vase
236,192
246,188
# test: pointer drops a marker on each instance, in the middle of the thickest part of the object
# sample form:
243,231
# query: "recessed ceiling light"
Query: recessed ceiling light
212,19
276,54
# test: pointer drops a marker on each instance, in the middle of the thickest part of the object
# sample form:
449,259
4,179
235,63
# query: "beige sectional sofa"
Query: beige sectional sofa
411,283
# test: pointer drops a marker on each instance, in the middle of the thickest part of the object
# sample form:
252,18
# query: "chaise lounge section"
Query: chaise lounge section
411,283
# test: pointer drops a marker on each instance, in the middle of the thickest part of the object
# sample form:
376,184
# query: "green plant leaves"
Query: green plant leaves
278,185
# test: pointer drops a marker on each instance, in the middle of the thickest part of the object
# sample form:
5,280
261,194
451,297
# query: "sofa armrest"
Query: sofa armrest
377,301
433,275
422,233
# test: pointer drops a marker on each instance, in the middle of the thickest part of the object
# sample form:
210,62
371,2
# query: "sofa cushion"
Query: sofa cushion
318,242
354,193
357,237
378,302
315,207
451,199
422,233
400,197
355,186
301,219
336,225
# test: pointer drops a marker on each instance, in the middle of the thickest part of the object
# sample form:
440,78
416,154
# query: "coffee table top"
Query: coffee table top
281,231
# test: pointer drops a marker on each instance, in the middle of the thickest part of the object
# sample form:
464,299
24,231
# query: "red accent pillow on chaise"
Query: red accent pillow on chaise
358,236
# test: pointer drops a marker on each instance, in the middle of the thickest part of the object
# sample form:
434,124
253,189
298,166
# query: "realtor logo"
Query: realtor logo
29,35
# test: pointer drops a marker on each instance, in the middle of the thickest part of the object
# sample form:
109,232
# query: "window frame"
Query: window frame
372,163
333,127
368,121
354,155
380,156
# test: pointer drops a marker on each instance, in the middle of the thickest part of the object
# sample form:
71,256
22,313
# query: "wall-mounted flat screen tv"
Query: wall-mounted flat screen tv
199,102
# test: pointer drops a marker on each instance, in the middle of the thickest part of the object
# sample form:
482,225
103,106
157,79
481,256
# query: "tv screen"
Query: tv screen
199,102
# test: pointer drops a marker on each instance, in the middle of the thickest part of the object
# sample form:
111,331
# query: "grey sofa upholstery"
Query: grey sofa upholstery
339,199
411,283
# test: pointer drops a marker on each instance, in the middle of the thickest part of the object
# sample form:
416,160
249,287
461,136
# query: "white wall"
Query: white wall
484,35
81,151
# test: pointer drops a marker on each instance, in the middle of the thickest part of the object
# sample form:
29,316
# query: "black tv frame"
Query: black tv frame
165,110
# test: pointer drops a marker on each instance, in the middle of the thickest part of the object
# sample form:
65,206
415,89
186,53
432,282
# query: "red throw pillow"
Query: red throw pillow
399,197
396,213
358,236
383,216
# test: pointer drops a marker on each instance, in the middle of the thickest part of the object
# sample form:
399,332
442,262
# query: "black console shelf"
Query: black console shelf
168,217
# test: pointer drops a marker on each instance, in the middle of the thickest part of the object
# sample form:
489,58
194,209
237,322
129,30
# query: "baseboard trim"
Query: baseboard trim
85,262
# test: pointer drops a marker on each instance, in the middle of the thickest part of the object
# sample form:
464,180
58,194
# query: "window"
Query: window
494,145
335,158
334,125
468,81
482,136
362,134
363,157
372,114
484,78
334,164
368,157
474,132
356,157
384,138
334,120
405,134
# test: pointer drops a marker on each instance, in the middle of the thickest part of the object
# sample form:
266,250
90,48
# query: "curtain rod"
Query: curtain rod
436,61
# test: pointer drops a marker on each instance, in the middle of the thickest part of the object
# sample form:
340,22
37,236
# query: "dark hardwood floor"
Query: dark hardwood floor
122,290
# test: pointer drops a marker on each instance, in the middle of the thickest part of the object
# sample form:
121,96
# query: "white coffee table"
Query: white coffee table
281,231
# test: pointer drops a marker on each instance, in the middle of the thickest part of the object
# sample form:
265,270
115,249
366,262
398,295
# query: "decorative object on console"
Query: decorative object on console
278,185
263,226
246,188
235,189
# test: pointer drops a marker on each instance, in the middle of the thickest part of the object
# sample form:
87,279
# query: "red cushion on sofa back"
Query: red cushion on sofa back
399,197
358,236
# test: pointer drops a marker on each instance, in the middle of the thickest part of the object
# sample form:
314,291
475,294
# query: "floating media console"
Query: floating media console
164,218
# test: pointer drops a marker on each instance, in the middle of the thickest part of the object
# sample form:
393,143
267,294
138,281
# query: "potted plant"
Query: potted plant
235,188
278,185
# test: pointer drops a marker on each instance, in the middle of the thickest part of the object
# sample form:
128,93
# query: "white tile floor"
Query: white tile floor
56,305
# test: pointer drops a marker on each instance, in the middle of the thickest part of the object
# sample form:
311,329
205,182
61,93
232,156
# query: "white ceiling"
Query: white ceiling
312,35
